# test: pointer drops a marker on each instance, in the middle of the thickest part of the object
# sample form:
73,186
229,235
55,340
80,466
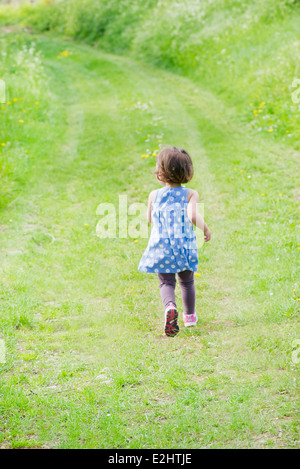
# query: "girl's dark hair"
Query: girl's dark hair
174,165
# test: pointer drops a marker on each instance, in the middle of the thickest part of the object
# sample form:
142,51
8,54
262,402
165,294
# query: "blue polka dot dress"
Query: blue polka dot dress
172,246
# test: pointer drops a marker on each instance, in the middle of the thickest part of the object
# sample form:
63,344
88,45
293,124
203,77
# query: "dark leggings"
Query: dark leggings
186,282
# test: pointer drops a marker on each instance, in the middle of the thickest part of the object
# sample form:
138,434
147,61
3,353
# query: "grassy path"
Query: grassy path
87,364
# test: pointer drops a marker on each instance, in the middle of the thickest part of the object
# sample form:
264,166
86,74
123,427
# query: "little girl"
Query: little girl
172,246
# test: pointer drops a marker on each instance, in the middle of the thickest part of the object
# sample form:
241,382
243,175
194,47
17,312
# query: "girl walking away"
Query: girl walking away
172,247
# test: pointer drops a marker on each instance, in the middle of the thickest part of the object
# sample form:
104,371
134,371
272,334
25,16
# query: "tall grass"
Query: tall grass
26,85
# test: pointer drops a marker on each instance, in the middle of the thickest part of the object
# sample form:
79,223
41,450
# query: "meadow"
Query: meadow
94,90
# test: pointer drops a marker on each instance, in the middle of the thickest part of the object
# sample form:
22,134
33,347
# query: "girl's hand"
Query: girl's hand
207,234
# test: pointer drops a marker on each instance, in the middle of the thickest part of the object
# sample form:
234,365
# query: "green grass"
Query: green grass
87,363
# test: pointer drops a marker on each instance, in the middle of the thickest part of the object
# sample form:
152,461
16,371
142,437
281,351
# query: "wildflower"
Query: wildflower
15,100
198,275
242,171
136,240
36,103
9,102
262,104
21,121
280,194
64,53
262,195
270,130
86,224
3,144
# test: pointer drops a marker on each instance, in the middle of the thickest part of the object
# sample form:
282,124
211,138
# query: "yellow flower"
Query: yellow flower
262,195
86,224
36,103
242,171
280,194
270,130
64,53
198,275
15,99
3,144
9,102
262,104
21,121
136,240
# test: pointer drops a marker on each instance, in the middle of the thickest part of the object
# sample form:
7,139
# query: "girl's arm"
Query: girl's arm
150,200
194,216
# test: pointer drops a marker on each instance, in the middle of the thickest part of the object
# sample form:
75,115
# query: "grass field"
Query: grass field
87,364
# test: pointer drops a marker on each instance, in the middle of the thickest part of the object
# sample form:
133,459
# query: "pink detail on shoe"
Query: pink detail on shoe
190,319
171,325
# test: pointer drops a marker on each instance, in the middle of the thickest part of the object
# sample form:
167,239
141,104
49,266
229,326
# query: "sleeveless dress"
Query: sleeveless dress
172,245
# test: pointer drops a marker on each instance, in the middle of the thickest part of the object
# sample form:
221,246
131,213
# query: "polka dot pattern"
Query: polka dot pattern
172,246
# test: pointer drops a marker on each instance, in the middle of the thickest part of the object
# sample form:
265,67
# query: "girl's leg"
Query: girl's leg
167,288
167,292
186,282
